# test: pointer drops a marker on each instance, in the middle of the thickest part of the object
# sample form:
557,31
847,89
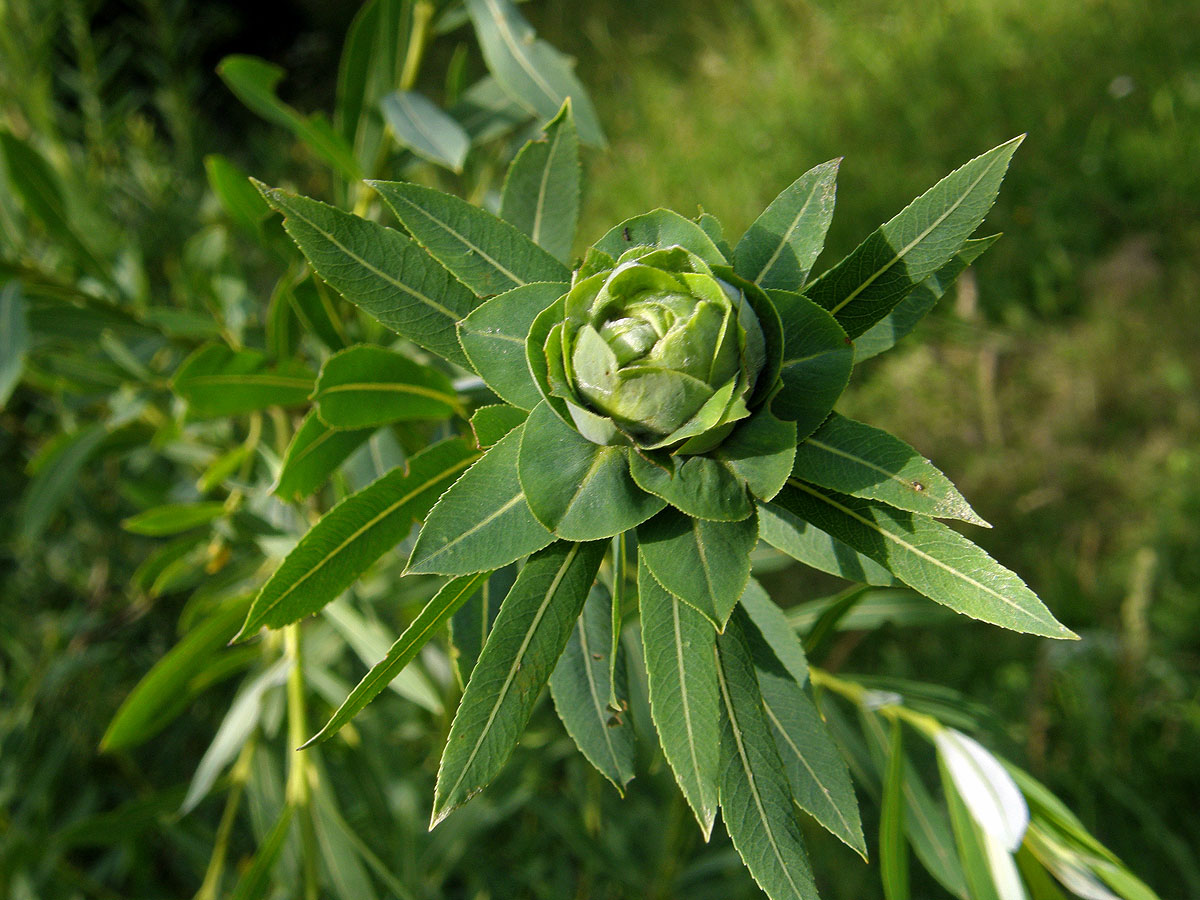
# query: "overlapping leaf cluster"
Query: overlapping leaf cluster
606,470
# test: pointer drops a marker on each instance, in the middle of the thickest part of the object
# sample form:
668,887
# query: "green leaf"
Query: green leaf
253,81
425,129
366,386
988,791
435,614
893,850
354,534
471,625
704,564
314,308
379,270
141,715
884,334
866,285
779,636
254,881
315,452
971,841
756,799
580,686
803,542
928,557
340,849
530,70
174,518
486,254
217,382
366,72
699,486
14,339
817,359
661,228
490,423
487,112
541,189
579,490
680,647
530,633
55,478
494,334
241,202
760,452
483,521
782,244
863,461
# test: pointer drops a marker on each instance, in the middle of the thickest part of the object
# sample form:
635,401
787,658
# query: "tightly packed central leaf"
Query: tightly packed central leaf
658,346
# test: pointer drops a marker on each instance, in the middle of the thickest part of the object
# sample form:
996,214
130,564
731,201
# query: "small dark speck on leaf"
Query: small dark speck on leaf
917,486
626,234
849,343
597,656
613,722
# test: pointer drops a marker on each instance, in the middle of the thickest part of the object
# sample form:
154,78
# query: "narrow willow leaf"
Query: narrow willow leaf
863,461
490,423
55,477
817,359
893,850
756,799
770,622
174,518
486,254
528,638
366,72
531,71
679,645
471,625
315,452
313,306
340,849
704,564
971,841
579,490
928,557
487,112
991,796
661,228
760,452
254,881
483,521
782,244
806,543
14,339
885,333
866,285
366,386
254,80
580,688
435,614
425,129
217,381
354,534
144,711
493,337
541,190
379,270
232,187
700,486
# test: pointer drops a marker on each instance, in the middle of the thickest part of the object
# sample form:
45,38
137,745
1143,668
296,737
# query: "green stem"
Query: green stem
866,699
238,776
301,774
618,605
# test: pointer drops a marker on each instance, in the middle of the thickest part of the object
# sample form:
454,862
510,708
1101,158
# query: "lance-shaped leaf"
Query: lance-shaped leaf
14,339
471,625
863,461
684,699
486,254
425,129
924,236
756,799
315,452
994,800
661,228
493,337
773,627
782,244
313,306
928,557
972,843
217,381
704,564
817,359
241,202
530,70
173,518
487,112
884,334
354,534
379,270
804,542
490,423
541,190
579,490
580,686
483,521
254,882
530,633
365,387
435,614
893,850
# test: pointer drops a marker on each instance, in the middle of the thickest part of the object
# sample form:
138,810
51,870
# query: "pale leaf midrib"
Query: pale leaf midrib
786,236
514,47
385,387
596,702
686,703
476,527
540,206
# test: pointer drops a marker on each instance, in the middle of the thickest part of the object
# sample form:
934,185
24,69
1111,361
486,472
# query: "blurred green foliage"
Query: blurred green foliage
1058,387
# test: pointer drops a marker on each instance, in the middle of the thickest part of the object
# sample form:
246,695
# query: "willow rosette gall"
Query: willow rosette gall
657,409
